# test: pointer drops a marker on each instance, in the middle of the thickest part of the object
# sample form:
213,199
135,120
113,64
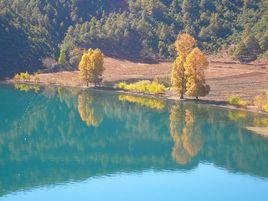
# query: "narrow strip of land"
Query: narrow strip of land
224,76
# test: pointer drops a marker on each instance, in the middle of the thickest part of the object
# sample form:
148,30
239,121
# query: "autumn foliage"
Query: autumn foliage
91,66
195,65
144,86
87,110
188,69
187,139
143,101
184,45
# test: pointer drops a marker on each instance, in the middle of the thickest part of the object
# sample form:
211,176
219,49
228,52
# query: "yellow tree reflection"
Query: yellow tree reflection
152,103
88,112
187,139
27,87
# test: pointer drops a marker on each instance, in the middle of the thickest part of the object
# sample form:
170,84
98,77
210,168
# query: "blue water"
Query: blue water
71,144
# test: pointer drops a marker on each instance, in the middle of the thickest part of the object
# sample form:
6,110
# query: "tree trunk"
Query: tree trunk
87,83
197,98
181,97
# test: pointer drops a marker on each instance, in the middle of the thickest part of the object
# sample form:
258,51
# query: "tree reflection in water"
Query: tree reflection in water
93,133
187,139
27,87
88,110
152,103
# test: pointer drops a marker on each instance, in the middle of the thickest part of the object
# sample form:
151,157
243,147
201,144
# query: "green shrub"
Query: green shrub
26,76
22,77
265,108
233,100
144,86
237,101
122,85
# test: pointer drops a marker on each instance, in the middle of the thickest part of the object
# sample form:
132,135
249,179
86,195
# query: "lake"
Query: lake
69,144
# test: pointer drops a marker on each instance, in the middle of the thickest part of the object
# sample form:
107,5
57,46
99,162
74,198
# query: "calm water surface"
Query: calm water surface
68,144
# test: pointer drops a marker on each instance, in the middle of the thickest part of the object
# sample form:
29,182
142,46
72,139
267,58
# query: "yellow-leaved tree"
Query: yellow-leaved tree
184,45
91,66
195,65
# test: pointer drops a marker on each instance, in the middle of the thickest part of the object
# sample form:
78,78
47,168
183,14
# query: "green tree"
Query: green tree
248,49
62,57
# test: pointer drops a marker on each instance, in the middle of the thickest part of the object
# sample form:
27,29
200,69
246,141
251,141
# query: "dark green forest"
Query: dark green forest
31,30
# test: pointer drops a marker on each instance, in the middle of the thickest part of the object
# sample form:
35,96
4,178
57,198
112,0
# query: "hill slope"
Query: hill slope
31,30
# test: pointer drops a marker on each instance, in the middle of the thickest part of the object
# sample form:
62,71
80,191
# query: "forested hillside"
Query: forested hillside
31,30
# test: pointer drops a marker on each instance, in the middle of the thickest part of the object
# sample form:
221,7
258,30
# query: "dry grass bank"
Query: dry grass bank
224,76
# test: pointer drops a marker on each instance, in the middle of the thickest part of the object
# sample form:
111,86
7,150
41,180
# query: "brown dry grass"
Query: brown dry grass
224,76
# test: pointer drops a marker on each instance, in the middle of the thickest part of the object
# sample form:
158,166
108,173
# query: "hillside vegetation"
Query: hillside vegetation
31,30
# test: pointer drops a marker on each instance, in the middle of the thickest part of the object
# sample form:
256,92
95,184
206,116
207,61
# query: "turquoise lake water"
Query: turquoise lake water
67,144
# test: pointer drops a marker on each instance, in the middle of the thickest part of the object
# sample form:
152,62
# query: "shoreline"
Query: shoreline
210,103
225,78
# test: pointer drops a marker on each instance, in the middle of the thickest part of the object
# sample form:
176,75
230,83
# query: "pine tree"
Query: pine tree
195,65
184,45
62,57
248,49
